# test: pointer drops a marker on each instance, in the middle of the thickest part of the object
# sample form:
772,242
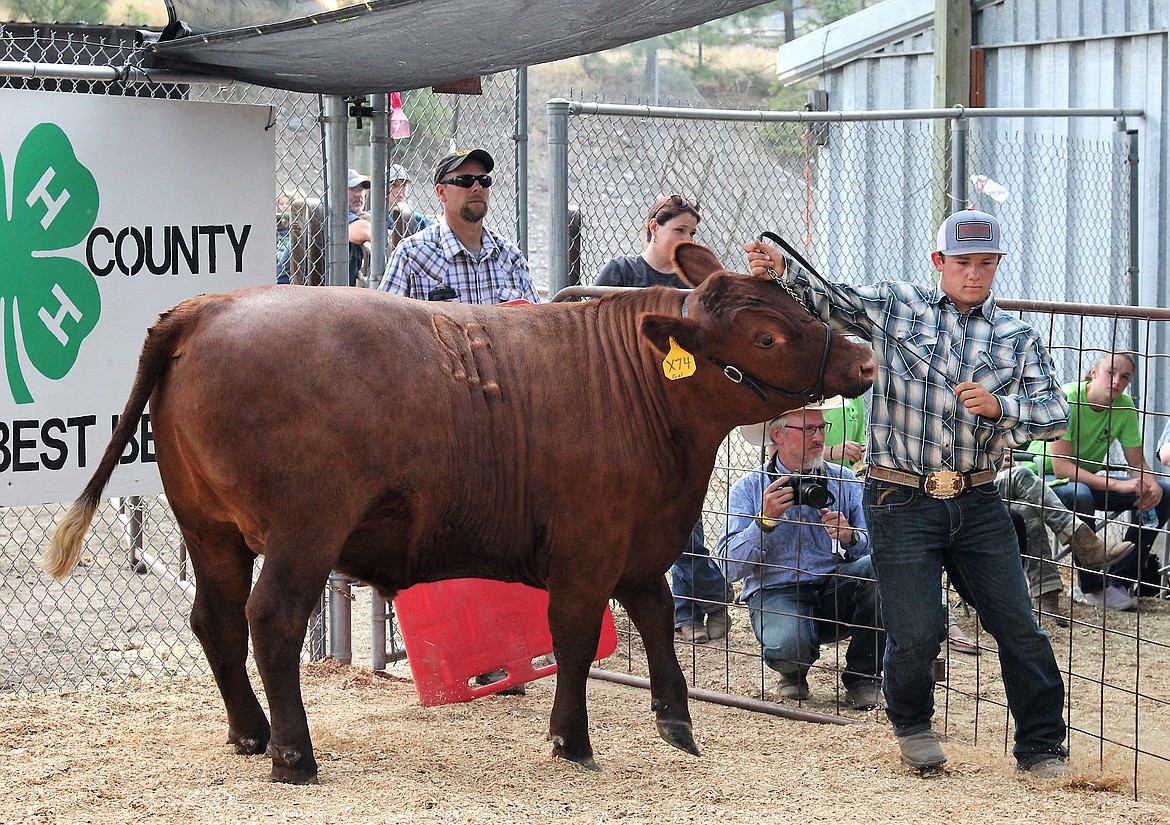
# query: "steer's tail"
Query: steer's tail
65,549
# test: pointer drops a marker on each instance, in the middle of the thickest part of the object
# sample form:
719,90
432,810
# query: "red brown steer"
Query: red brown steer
399,441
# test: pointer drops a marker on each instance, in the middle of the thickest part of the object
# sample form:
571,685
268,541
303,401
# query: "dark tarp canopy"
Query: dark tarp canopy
395,45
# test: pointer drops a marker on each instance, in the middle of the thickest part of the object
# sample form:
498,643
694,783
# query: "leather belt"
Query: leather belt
939,484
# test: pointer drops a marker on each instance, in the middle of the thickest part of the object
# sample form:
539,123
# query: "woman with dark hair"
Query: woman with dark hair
672,218
701,593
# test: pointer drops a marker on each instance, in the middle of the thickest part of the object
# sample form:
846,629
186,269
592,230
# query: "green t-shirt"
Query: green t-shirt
848,424
1091,431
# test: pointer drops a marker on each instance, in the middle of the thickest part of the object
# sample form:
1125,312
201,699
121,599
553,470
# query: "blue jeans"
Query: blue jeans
914,537
1084,500
698,586
793,621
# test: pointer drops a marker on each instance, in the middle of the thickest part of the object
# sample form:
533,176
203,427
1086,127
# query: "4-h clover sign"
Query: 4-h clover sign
112,210
51,302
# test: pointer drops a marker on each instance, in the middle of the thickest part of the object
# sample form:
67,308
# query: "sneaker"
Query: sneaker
694,633
1050,606
794,685
1091,551
921,750
718,623
1050,767
1111,598
864,695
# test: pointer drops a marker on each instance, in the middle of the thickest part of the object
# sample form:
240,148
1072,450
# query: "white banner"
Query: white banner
114,210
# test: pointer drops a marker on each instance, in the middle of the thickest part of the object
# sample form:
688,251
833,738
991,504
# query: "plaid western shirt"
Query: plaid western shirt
435,256
925,346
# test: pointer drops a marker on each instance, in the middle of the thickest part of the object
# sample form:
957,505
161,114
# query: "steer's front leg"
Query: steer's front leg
651,607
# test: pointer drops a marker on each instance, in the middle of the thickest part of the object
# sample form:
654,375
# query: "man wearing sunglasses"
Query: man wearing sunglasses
796,536
458,258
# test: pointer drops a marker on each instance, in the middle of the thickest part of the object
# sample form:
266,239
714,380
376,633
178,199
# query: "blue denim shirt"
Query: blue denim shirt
799,549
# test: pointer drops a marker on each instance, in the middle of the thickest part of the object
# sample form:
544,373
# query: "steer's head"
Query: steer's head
754,328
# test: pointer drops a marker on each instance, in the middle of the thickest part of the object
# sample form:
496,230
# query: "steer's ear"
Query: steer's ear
694,262
659,329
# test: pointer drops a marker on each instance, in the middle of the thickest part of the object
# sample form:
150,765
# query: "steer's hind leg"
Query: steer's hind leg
651,608
223,576
278,613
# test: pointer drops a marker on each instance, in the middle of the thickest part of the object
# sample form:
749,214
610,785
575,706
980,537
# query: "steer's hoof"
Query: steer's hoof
680,735
291,767
585,759
249,745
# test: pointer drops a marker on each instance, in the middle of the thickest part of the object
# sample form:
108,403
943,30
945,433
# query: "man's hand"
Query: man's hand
1149,492
763,261
778,497
978,400
849,451
838,526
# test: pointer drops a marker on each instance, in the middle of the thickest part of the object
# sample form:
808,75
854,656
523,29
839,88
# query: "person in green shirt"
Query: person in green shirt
1101,413
845,437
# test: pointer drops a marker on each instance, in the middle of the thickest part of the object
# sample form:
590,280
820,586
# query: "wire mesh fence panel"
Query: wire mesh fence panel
858,197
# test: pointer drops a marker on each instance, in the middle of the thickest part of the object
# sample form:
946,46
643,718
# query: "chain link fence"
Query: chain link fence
123,613
862,198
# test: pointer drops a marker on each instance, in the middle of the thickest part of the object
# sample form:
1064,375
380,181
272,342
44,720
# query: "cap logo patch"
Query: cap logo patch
973,231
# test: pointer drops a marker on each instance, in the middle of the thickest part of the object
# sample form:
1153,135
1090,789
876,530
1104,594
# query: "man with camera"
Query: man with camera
458,258
796,536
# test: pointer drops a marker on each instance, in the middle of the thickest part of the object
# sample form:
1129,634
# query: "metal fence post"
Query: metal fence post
336,121
340,618
521,138
958,163
378,204
558,195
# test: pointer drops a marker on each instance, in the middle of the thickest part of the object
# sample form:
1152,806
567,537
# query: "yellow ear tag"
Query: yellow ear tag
678,362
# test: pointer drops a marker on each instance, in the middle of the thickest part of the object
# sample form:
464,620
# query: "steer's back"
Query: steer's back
368,423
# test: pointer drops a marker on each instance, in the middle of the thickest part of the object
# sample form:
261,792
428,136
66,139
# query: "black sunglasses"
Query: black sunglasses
468,181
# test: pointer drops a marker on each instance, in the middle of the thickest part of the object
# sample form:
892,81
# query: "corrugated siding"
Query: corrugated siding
1057,54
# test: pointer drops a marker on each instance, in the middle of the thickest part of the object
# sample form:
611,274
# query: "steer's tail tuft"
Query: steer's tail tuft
65,549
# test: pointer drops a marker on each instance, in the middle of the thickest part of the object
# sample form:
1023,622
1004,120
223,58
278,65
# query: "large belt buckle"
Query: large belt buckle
943,484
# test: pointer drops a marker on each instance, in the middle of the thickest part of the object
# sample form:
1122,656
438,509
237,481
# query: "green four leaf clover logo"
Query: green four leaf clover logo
51,303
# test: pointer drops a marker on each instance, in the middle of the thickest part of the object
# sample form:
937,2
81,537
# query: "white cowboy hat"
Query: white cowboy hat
757,434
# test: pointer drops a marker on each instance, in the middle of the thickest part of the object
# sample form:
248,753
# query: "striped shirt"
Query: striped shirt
436,256
925,346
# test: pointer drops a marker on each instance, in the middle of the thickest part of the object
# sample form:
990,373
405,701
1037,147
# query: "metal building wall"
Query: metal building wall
1046,54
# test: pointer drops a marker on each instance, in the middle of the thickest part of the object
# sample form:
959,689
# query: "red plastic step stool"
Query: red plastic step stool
455,630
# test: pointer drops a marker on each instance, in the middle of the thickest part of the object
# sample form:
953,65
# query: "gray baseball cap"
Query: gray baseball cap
969,232
397,172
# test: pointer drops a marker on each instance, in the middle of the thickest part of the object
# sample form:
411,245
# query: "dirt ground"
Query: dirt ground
156,753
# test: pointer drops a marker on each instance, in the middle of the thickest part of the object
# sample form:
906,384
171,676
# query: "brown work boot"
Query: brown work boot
718,623
794,685
1091,551
1050,606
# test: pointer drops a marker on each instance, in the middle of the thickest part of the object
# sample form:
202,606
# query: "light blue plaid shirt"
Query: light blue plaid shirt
435,255
925,346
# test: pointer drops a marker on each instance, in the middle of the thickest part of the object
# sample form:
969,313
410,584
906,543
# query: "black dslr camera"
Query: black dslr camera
810,490
443,292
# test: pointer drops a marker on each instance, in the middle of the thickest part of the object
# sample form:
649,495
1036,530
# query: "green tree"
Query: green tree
58,11
824,12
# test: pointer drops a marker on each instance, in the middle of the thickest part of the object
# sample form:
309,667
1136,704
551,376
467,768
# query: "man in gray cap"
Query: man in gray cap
458,258
401,219
959,381
359,230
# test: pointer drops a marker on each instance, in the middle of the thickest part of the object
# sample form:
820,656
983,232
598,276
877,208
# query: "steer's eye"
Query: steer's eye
767,340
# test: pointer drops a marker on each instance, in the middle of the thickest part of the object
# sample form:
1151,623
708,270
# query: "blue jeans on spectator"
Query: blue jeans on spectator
914,537
698,586
1084,500
793,621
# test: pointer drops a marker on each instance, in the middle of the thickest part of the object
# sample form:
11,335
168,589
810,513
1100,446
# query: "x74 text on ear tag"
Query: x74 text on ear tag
678,362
